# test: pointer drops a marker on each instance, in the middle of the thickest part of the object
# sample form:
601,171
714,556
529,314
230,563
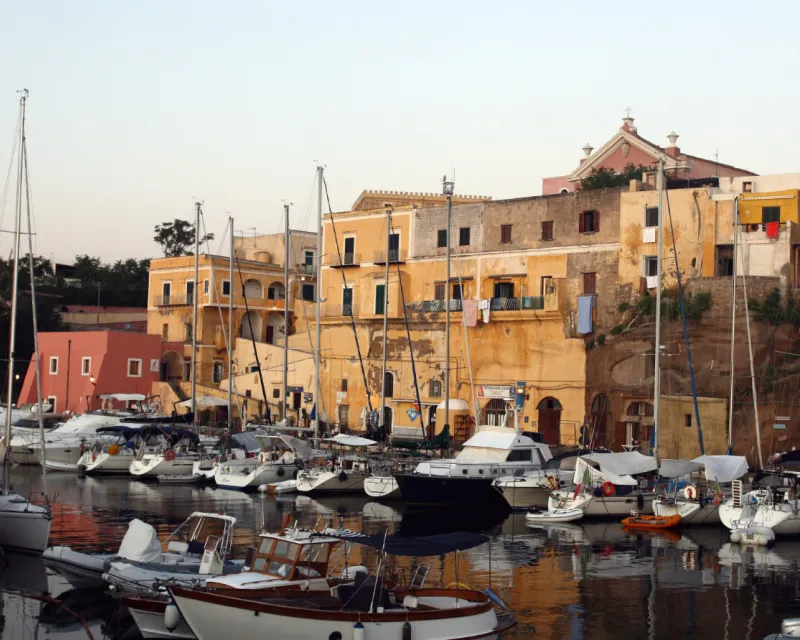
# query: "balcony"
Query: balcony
336,261
174,301
396,256
547,302
432,306
305,269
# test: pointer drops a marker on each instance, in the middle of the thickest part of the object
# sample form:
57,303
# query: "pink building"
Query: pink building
628,147
79,366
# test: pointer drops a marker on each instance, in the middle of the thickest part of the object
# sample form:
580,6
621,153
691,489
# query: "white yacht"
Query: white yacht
469,477
344,474
112,452
772,502
278,459
174,454
605,486
26,432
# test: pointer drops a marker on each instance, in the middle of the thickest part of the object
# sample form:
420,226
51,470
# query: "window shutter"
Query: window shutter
580,222
597,221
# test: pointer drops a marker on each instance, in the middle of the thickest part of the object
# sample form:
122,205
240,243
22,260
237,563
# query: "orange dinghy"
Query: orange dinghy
652,523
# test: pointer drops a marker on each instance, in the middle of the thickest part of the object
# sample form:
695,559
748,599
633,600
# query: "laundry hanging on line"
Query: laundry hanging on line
485,306
585,309
470,308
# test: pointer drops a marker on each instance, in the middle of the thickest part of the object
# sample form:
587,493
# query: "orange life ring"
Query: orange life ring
170,455
608,489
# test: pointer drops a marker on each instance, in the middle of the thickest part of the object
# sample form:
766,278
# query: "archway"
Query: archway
639,425
388,384
598,423
253,290
276,291
250,328
171,367
495,412
275,332
550,420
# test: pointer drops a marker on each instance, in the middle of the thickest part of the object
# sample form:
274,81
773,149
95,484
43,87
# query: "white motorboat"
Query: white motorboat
468,478
278,459
175,455
345,474
382,486
610,489
365,605
538,516
198,548
25,433
772,503
23,524
698,507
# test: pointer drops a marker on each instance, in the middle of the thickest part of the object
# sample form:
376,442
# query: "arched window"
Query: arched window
388,385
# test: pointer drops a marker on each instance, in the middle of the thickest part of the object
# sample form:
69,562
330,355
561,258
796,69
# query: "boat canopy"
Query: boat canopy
204,401
423,546
623,462
351,441
585,474
723,468
493,444
678,468
123,397
175,433
124,430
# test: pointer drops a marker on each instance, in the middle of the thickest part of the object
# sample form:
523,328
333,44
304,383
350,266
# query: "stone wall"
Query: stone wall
604,264
428,222
721,290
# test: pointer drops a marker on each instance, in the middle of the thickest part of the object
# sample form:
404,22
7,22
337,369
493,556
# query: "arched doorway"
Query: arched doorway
495,412
171,367
253,290
388,384
550,420
276,291
639,425
250,327
598,422
275,332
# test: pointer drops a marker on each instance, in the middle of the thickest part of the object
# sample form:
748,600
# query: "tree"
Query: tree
604,178
176,238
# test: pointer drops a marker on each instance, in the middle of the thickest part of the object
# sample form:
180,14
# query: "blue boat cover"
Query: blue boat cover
423,546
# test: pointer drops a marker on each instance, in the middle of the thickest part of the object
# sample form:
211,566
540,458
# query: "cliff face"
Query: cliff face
623,369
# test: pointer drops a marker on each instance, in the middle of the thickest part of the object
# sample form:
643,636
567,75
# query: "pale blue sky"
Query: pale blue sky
137,107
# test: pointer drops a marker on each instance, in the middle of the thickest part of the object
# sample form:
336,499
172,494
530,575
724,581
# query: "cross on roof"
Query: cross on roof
627,112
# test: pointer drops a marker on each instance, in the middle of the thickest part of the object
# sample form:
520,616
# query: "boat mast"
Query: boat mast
230,333
385,317
14,286
286,242
657,377
318,289
733,322
447,189
194,308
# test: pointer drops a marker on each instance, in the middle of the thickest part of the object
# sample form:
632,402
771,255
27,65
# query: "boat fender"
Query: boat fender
281,472
640,502
736,537
406,630
690,492
359,632
608,489
336,635
169,455
81,448
717,500
172,616
81,469
343,476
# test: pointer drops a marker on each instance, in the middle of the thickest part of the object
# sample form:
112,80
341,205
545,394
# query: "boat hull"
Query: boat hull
522,497
24,529
80,569
104,464
692,513
556,516
152,467
149,617
605,506
317,482
60,457
382,488
232,476
444,490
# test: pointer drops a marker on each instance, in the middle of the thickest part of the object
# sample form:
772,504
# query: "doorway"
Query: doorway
550,420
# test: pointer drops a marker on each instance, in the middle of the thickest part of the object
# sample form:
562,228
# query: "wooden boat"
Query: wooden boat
652,523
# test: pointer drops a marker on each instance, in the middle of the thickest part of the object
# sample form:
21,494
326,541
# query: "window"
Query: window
86,366
394,247
747,187
588,222
503,289
226,287
134,367
189,333
276,393
165,332
308,292
441,239
770,214
52,401
344,384
53,365
380,299
347,301
205,287
190,291
547,230
166,290
505,233
344,414
651,216
187,371
308,258
463,237
519,455
687,420
457,292
438,291
254,368
435,389
589,283
218,372
546,282
388,384
650,266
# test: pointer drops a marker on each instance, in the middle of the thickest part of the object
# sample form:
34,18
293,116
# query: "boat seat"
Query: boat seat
359,595
176,546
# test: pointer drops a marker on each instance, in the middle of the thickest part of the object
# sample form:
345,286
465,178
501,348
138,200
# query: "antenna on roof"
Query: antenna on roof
716,162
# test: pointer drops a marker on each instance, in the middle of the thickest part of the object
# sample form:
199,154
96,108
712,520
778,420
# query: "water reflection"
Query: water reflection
589,580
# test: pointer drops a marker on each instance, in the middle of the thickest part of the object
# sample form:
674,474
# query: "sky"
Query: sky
137,109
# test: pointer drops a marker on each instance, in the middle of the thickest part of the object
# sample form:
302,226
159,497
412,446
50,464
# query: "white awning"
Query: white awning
456,404
624,462
351,441
204,401
678,468
123,397
723,468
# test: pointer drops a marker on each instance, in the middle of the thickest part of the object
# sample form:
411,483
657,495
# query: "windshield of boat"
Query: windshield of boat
283,559
565,464
196,530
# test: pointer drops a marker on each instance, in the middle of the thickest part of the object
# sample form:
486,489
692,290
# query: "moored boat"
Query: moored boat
344,474
536,516
651,523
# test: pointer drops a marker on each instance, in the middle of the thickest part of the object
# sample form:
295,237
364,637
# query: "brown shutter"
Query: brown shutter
580,222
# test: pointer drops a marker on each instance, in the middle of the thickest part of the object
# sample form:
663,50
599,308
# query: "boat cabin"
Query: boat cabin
297,555
191,536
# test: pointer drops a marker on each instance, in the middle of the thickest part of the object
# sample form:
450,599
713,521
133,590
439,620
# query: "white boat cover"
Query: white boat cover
351,441
204,401
586,474
678,468
123,397
723,468
140,543
300,447
623,462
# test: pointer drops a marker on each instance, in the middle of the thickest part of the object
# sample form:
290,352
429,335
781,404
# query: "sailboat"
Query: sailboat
23,524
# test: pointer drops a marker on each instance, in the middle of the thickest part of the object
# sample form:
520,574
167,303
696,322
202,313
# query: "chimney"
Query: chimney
587,151
627,125
673,150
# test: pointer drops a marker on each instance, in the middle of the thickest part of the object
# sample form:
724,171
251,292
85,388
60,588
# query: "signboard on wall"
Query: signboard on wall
495,391
154,365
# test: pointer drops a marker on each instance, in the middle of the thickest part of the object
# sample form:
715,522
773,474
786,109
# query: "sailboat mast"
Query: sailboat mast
194,308
230,333
318,289
448,191
733,321
385,315
14,286
286,247
657,376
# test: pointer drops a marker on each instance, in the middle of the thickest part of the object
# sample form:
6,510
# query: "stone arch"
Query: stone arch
171,366
253,289
549,409
251,326
275,331
276,291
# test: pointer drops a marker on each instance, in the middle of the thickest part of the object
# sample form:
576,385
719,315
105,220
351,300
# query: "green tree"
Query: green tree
177,238
604,178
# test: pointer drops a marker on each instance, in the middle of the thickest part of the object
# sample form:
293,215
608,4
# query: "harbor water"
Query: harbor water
588,580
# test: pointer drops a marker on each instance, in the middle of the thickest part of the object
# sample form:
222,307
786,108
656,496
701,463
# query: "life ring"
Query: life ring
281,472
170,455
608,489
113,450
690,492
552,483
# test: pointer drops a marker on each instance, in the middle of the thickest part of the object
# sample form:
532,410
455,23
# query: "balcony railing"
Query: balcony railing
305,269
535,303
395,256
337,261
433,306
174,300
505,304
